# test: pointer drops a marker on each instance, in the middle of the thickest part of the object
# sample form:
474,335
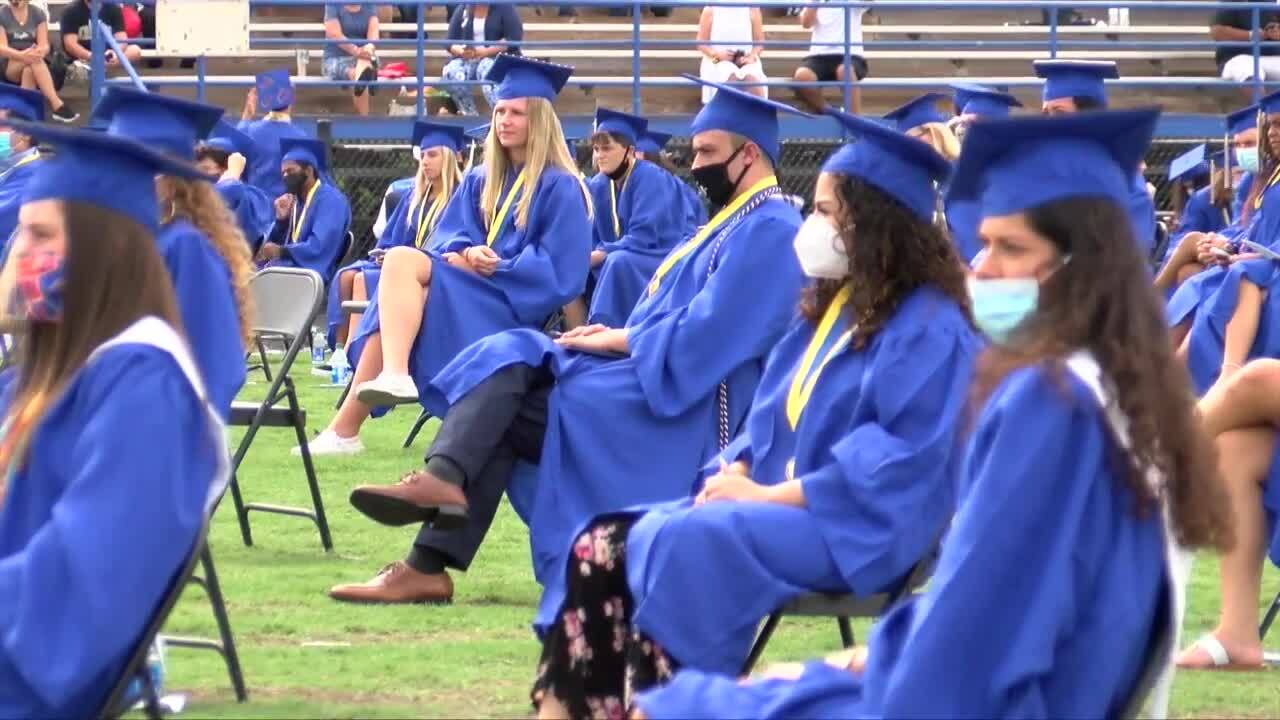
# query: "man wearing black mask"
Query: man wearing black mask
312,216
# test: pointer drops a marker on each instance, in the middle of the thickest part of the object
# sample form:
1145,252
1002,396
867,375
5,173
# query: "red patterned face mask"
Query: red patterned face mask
39,284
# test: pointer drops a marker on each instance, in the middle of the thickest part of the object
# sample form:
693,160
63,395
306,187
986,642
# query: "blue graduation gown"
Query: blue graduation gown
206,302
264,170
653,219
698,328
875,452
543,266
963,219
1242,192
252,209
320,241
1042,602
390,200
95,525
1199,215
13,184
1142,213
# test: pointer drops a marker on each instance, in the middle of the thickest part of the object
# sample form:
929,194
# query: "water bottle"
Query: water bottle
317,347
341,371
155,668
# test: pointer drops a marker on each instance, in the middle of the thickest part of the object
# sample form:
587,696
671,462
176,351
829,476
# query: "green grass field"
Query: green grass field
305,655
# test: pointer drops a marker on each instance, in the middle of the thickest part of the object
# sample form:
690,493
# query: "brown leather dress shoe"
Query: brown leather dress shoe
419,497
397,583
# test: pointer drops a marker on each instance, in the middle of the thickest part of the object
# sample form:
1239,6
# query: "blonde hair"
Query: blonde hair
450,176
199,203
545,148
940,138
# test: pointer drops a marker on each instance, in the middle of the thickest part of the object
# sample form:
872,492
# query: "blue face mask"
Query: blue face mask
1002,304
1247,159
5,148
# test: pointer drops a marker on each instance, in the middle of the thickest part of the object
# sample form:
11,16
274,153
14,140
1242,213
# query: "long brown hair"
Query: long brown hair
114,277
201,205
891,253
1101,301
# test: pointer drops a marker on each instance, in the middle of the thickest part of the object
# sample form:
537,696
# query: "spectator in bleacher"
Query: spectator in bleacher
495,29
639,217
273,95
922,119
225,155
20,163
354,27
1079,85
826,59
112,454
24,54
731,40
842,478
1235,61
77,38
312,217
972,103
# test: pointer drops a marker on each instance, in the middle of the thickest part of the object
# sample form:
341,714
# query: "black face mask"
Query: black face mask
294,182
715,180
621,170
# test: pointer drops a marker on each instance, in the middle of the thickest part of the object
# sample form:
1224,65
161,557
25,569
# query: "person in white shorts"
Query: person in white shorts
731,40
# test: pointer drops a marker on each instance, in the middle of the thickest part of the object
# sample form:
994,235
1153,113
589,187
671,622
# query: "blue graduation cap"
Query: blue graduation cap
431,134
916,112
169,123
1014,164
1243,120
1076,78
1218,159
275,90
1270,103
972,99
1190,164
739,112
227,138
629,126
307,151
652,142
108,171
22,104
520,77
900,165
571,142
478,133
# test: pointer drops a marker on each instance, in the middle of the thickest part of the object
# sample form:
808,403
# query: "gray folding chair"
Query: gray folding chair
287,301
225,645
1158,657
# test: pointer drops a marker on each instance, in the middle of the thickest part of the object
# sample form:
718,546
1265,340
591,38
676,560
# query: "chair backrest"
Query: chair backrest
1159,655
349,250
285,300
136,666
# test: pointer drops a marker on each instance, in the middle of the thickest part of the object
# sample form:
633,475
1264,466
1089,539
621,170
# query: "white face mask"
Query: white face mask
821,250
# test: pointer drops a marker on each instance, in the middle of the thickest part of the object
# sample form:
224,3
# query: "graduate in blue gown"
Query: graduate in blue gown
610,416
208,262
111,452
225,155
412,222
973,103
273,96
649,146
312,232
1053,574
640,215
1193,174
843,476
19,155
1077,86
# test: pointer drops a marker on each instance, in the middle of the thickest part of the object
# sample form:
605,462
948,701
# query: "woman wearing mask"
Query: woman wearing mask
436,147
839,483
1082,433
18,155
112,454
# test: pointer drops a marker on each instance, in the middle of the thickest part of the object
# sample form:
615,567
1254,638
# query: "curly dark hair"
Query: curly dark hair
1101,301
891,252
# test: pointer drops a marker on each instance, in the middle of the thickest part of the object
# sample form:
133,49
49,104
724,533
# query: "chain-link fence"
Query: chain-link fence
364,168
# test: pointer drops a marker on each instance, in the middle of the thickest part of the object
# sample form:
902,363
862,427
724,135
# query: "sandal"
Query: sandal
1218,657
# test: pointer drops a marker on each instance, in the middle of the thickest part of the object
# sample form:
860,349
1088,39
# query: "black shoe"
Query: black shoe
65,114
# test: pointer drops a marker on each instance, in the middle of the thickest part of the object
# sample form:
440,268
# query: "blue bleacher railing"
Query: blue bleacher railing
1057,42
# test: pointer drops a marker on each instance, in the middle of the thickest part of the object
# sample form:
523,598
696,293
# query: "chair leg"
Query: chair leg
242,513
762,640
1269,617
262,357
214,591
317,502
846,632
423,417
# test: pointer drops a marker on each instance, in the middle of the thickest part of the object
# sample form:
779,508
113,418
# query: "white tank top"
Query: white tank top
731,28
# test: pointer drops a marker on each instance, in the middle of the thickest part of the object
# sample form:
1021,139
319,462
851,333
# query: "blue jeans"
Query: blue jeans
459,69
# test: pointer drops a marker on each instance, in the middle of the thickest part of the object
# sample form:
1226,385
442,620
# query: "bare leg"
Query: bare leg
809,97
1242,328
358,292
575,314
551,709
1184,254
28,80
1178,334
345,280
1244,459
346,423
14,72
1249,398
44,81
758,90
855,95
359,96
402,299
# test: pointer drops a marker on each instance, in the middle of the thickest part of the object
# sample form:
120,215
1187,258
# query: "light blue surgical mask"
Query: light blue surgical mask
6,149
1002,304
1247,159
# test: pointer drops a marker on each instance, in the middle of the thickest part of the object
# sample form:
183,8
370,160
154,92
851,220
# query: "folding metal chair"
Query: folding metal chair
287,301
1269,618
226,643
842,607
1158,659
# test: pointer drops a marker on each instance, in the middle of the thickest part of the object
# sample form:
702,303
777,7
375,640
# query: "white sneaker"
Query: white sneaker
386,390
329,443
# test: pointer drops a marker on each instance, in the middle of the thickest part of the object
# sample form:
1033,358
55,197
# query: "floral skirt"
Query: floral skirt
593,660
